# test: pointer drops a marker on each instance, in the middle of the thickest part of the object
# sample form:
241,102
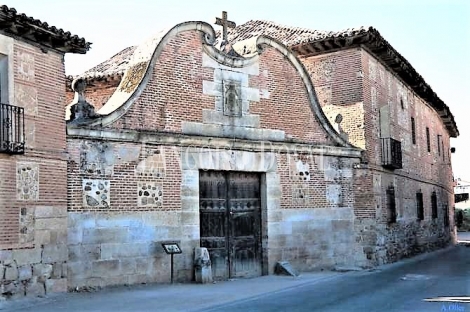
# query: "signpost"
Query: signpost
171,248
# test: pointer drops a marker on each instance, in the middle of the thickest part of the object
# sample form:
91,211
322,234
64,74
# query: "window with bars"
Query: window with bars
428,140
391,205
11,129
413,130
419,206
434,205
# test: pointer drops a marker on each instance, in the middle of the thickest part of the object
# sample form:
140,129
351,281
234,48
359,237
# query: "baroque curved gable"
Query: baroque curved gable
144,58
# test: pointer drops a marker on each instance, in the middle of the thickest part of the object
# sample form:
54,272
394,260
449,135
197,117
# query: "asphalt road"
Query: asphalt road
394,288
401,286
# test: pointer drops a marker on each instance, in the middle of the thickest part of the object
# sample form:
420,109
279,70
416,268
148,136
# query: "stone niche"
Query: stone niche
27,181
26,225
96,193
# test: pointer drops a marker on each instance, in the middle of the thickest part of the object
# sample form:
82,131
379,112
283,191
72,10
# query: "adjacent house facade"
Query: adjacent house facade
33,158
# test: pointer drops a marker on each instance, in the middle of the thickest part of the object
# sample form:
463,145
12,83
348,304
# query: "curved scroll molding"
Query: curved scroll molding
120,103
112,111
315,106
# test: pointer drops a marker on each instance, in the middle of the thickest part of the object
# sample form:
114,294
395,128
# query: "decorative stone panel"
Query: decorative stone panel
96,193
26,229
232,94
27,181
300,195
150,194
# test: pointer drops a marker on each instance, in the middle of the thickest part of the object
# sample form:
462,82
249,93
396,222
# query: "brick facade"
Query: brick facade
33,188
309,180
375,103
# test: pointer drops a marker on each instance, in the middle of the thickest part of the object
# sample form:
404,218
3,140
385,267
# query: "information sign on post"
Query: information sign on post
171,248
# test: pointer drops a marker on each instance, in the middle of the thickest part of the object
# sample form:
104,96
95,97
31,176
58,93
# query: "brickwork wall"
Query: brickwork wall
124,166
338,85
33,186
175,95
355,79
98,91
315,181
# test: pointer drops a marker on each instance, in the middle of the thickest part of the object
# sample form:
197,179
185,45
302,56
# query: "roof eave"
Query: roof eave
33,30
378,46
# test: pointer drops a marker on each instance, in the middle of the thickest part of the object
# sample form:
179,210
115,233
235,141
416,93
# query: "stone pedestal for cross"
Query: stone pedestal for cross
202,266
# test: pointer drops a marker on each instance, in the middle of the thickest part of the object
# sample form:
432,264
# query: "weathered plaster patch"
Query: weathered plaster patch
27,97
373,97
334,194
372,69
299,170
97,158
30,134
27,181
133,77
96,193
152,166
324,95
25,66
150,194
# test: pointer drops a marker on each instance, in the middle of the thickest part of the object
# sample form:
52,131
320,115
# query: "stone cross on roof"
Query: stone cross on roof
224,22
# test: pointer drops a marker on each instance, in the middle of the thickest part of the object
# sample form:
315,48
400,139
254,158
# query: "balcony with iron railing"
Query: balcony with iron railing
11,129
391,153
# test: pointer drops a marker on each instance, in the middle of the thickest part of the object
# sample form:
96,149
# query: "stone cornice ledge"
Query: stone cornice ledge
210,142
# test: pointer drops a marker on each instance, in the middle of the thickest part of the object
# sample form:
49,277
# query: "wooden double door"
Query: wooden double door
230,222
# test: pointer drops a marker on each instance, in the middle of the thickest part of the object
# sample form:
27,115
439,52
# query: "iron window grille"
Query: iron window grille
391,153
419,206
11,129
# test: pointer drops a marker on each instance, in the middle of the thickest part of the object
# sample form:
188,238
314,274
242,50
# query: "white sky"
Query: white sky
434,35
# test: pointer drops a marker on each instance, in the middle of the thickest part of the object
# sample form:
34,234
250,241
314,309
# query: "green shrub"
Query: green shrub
462,219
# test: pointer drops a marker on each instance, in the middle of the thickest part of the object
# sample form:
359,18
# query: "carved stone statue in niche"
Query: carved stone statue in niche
232,98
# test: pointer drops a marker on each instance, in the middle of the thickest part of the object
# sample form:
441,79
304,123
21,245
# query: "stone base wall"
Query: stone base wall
41,269
312,239
383,243
125,248
407,239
